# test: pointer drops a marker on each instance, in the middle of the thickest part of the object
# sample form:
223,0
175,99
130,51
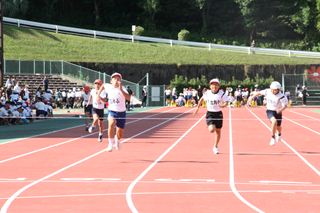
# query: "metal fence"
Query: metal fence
63,68
209,46
290,83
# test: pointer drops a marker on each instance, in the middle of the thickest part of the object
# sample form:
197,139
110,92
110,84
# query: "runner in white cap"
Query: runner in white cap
117,97
215,99
276,103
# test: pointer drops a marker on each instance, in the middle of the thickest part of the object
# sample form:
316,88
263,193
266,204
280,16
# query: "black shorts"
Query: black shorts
99,112
88,109
215,118
271,113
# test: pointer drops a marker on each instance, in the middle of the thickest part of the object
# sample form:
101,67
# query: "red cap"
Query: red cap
86,88
116,74
98,81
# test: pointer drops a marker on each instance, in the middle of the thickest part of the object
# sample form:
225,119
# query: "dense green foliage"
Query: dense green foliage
293,24
180,82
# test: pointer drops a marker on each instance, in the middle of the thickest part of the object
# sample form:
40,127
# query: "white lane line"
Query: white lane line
38,135
12,179
288,145
8,202
292,121
311,192
51,132
68,141
273,182
133,184
89,179
307,116
231,170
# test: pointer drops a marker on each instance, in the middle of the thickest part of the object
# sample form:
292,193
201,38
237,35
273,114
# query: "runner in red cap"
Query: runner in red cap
97,108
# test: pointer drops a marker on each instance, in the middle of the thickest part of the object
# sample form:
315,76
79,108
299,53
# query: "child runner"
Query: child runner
87,105
215,99
117,97
97,108
276,103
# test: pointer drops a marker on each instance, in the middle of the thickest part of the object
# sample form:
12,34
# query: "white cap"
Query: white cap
214,80
116,74
275,85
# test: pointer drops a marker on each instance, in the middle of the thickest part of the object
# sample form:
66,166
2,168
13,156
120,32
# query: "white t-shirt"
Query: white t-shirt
85,98
274,102
95,104
116,100
213,100
40,106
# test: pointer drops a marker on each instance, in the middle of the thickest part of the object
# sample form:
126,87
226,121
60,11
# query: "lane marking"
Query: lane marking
289,146
4,208
307,116
134,182
68,141
52,132
90,179
311,192
12,179
231,170
314,131
280,182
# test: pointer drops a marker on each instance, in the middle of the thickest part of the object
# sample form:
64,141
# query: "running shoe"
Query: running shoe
215,150
116,145
100,138
109,148
90,129
272,141
278,138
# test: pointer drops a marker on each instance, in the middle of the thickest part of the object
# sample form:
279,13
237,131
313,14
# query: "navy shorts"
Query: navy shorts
120,118
214,118
271,113
99,112
88,109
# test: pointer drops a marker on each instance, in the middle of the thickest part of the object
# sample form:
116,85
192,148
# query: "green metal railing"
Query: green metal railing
63,68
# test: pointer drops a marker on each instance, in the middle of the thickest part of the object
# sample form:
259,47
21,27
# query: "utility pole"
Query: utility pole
1,44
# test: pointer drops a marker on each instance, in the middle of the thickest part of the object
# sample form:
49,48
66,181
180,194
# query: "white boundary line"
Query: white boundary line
4,208
231,170
51,132
305,127
288,145
307,116
133,183
166,193
68,141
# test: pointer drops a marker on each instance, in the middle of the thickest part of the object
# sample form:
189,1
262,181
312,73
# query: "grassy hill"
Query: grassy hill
29,44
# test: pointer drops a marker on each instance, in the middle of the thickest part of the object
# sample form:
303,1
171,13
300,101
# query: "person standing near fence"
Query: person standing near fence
117,97
276,103
144,96
305,94
215,99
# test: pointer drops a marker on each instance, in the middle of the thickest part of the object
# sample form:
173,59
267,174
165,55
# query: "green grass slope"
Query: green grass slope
29,44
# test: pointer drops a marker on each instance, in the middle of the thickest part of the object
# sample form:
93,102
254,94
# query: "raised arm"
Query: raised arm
125,94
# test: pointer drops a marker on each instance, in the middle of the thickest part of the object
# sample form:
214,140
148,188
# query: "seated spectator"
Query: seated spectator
41,108
4,115
181,101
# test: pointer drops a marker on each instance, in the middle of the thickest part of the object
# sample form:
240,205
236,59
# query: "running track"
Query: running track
166,164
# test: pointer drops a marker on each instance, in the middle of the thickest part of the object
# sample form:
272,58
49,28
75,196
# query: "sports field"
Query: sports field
165,164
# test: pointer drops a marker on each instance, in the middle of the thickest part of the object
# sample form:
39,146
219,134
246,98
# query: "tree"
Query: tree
203,6
150,7
15,8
